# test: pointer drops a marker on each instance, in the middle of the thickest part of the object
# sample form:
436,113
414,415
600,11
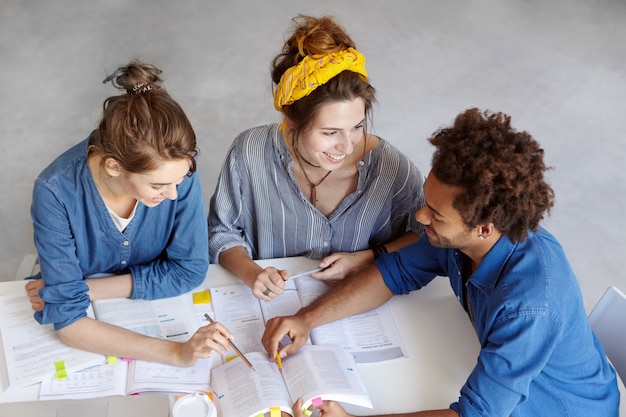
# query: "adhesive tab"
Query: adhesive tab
61,372
202,297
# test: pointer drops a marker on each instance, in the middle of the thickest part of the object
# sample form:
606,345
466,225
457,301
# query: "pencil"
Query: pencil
232,345
279,362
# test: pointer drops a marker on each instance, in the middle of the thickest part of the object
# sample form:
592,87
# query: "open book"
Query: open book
372,336
34,353
315,374
124,377
171,318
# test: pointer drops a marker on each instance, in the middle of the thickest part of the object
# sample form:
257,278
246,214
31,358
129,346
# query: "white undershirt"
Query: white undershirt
119,221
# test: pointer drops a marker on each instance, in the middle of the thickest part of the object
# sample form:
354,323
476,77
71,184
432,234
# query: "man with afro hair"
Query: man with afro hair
485,197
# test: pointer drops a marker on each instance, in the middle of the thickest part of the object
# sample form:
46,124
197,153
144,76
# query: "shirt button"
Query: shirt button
325,244
126,243
123,262
361,163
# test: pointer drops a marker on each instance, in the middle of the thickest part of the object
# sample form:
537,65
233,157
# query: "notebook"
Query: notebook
152,405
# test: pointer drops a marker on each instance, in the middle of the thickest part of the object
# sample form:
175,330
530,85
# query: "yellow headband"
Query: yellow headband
313,71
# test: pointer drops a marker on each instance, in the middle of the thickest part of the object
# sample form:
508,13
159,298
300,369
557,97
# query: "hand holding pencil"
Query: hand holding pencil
232,345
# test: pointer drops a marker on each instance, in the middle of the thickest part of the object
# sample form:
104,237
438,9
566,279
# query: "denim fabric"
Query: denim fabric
165,248
538,354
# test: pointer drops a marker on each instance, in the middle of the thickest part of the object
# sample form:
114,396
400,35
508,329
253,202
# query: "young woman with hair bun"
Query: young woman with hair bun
122,214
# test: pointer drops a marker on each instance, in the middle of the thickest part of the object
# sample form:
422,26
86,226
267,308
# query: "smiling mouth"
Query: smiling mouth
337,158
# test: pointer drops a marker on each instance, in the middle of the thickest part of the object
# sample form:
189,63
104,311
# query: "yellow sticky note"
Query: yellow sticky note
307,411
202,297
275,412
61,373
230,358
111,360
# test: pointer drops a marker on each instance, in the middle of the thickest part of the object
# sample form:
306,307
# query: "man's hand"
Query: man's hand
32,289
294,327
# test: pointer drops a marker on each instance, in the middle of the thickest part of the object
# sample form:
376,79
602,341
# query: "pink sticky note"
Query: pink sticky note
317,401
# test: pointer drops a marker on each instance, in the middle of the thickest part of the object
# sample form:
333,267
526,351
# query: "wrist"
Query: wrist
378,249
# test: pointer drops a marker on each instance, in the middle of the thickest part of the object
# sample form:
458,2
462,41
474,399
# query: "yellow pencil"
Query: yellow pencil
279,362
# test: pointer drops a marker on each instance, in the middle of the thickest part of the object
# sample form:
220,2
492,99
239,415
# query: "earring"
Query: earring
481,237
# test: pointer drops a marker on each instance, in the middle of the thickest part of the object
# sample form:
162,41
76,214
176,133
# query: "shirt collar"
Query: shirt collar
490,269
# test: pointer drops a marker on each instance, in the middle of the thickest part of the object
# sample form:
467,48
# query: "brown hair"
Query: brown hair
500,170
320,36
144,125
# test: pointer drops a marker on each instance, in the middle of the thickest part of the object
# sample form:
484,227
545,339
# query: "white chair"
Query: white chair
608,322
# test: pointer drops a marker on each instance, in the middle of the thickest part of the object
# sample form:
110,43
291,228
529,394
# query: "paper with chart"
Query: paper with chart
33,352
372,336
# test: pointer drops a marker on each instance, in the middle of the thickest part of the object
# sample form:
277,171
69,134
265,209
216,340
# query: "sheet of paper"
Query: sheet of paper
96,381
149,376
31,350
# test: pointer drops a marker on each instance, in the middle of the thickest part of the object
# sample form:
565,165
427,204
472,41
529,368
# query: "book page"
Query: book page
287,304
325,373
236,308
242,392
31,350
172,318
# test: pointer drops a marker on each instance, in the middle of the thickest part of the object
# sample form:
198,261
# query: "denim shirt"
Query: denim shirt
164,248
538,355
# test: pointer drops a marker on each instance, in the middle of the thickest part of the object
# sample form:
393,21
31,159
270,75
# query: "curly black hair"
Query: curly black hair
500,170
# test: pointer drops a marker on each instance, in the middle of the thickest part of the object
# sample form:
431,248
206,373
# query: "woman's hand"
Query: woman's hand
207,339
32,288
327,409
340,265
269,283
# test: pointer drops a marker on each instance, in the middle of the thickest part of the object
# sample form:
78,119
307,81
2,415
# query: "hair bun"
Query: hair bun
136,77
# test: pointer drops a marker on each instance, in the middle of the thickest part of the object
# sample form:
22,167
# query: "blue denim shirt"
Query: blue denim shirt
538,354
165,248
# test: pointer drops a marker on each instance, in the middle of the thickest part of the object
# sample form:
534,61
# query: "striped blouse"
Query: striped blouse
258,204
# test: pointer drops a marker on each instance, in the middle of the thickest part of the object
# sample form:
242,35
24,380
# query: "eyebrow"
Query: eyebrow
434,211
337,128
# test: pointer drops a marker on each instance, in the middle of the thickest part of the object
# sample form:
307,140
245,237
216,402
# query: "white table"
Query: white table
437,333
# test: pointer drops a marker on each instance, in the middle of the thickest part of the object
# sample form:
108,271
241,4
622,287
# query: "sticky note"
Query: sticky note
307,411
317,401
202,297
275,412
230,358
111,360
61,373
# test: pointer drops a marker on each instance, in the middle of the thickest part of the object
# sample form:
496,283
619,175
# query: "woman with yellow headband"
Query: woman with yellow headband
317,184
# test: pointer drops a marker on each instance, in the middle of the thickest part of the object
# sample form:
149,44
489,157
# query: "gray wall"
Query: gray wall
556,66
